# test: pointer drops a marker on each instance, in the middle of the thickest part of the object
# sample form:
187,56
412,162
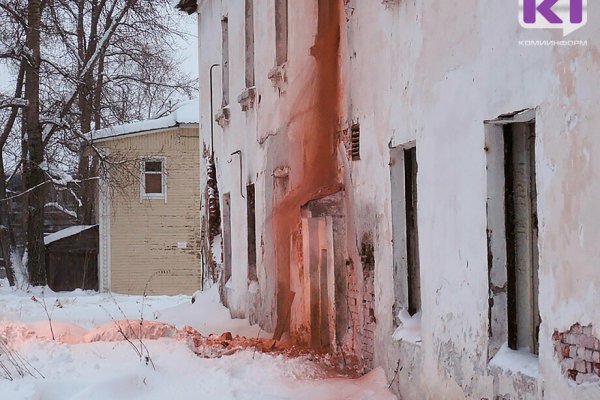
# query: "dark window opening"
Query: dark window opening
153,166
153,178
522,261
251,220
412,236
225,60
281,31
249,43
226,237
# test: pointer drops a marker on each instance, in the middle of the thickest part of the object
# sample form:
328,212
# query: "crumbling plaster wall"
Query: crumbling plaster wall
264,134
437,71
430,73
228,167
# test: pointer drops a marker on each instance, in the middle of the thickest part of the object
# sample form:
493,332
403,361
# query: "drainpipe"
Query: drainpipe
239,153
212,113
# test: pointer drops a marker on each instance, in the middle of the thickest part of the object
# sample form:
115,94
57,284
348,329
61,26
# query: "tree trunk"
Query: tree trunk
87,170
86,46
7,234
7,239
90,92
35,178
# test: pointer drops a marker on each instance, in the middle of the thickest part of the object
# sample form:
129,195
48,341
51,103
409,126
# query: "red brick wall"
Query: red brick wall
578,352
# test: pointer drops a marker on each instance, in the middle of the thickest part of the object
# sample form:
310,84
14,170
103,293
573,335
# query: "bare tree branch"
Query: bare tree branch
8,102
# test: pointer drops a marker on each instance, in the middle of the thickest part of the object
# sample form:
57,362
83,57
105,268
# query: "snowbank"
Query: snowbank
100,371
91,361
208,316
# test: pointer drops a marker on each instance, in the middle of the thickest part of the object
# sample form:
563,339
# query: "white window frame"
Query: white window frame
153,196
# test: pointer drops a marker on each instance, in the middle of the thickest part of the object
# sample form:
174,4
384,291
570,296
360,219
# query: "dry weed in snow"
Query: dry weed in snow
13,364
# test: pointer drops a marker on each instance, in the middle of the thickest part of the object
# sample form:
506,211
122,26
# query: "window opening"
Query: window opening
281,31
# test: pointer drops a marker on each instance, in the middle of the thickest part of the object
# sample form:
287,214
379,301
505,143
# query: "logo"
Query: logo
567,15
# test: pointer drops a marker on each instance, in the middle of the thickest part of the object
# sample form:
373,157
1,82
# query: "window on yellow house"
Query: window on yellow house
153,180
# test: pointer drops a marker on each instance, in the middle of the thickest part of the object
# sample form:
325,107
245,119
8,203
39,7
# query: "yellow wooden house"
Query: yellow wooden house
149,208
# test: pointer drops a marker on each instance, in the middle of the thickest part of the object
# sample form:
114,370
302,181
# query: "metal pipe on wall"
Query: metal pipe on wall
239,153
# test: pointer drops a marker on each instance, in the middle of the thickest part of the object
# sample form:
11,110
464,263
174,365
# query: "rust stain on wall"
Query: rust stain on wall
317,156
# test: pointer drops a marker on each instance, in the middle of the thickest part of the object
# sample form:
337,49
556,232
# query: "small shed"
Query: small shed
72,258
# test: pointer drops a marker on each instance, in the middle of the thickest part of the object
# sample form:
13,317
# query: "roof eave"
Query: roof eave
145,132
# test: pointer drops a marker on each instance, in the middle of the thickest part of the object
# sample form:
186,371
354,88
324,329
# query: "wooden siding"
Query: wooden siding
144,234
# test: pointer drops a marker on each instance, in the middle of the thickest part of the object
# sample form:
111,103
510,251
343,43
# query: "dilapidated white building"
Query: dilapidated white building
413,183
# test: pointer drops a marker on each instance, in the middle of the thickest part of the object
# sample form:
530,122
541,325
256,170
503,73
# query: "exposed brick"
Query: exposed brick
557,336
368,302
588,341
568,363
578,352
580,366
558,348
572,373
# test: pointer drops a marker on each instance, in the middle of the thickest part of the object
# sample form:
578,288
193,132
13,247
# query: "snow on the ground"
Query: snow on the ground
84,364
207,315
88,309
522,361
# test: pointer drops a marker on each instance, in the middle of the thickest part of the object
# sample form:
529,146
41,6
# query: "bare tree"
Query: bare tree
34,175
84,65
7,237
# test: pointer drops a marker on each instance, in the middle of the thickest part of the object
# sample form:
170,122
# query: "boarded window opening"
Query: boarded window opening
521,236
225,60
249,43
405,242
512,236
251,220
355,141
281,31
412,235
226,238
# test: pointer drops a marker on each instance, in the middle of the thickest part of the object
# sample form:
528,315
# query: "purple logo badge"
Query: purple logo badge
567,15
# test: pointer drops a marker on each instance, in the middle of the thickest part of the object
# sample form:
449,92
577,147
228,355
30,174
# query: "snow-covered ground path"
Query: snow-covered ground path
80,364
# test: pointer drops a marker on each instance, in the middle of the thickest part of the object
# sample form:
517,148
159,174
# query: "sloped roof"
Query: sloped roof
188,112
65,233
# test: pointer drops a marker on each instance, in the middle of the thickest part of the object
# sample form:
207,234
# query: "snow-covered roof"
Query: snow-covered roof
70,231
188,112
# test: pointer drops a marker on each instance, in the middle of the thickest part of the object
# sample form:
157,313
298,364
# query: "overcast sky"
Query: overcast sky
188,50
189,46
